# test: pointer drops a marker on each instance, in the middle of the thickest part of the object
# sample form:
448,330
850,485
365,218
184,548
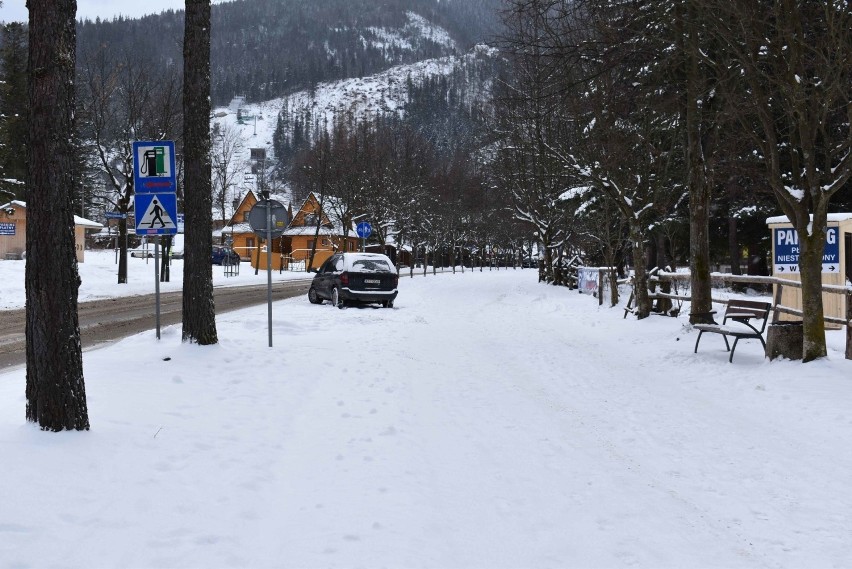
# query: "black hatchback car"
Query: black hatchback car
221,255
355,277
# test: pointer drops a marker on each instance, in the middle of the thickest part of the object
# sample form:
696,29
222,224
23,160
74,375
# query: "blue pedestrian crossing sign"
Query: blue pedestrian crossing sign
156,214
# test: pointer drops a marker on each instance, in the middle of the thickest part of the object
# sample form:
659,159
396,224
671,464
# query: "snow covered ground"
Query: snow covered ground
487,421
99,275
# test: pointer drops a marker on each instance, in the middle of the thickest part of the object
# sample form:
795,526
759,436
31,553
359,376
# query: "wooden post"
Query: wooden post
848,322
600,286
777,302
613,293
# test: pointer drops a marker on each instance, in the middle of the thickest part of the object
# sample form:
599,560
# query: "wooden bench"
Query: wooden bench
743,312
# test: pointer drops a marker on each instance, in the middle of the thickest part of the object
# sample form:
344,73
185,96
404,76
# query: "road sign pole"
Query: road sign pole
363,229
157,283
261,218
269,268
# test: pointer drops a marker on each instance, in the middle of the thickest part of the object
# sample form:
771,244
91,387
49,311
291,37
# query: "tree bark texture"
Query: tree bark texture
810,269
663,261
55,391
199,316
640,274
699,189
122,247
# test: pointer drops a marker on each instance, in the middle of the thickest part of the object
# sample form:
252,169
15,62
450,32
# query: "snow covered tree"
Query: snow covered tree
795,64
227,149
526,168
55,392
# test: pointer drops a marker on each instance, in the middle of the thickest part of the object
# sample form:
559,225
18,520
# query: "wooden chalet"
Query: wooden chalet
292,250
237,231
300,237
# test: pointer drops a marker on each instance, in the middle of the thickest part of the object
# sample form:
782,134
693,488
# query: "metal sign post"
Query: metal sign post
157,283
155,202
364,229
268,219
269,272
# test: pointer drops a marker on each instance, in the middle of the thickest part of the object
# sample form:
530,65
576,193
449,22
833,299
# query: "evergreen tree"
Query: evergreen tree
13,110
199,314
56,393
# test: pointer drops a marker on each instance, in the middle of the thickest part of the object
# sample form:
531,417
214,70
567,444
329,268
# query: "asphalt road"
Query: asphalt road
108,320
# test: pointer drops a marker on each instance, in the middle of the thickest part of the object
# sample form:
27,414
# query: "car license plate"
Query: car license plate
372,281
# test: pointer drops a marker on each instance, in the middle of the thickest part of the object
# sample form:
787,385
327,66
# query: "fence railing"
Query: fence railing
777,307
780,283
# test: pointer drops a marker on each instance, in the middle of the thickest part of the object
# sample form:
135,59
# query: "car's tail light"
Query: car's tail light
395,281
344,279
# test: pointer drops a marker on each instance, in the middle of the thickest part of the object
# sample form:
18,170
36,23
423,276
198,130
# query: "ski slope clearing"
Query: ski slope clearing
487,421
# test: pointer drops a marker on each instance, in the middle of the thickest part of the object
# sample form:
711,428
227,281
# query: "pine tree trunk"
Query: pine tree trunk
55,392
199,314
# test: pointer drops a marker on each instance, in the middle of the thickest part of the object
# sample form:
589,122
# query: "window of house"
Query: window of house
250,242
245,216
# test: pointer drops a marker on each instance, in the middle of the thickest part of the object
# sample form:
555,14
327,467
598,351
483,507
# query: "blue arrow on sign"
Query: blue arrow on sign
364,229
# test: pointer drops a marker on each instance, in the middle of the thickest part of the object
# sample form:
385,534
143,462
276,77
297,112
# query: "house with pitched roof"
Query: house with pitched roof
13,231
317,225
293,249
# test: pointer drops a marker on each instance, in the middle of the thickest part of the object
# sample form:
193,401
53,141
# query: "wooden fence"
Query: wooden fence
777,308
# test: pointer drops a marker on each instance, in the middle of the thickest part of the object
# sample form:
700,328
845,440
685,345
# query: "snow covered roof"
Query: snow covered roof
243,227
311,230
81,221
831,217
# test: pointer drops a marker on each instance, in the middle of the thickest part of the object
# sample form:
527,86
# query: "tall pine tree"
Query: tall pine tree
199,314
56,393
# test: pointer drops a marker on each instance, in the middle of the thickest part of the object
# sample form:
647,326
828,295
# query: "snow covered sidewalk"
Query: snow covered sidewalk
487,421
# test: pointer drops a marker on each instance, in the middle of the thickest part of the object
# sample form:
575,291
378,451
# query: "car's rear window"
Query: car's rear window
371,266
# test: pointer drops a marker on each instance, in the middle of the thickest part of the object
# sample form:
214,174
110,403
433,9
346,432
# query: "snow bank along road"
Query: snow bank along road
115,318
486,421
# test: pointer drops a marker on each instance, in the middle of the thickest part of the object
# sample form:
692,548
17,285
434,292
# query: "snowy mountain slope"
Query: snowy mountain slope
417,30
359,98
384,93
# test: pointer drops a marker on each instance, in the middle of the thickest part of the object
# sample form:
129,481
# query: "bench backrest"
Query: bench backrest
755,309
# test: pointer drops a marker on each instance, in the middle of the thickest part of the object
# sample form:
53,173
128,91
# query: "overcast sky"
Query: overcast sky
16,10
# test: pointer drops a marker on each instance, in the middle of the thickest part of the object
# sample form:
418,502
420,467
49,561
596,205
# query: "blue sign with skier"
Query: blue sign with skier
786,241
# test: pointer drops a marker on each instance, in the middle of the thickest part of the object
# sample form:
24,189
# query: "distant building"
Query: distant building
236,103
13,231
